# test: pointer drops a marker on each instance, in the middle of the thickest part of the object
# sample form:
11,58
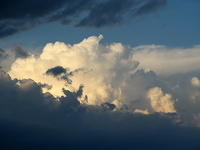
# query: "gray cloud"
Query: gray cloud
20,52
19,16
8,56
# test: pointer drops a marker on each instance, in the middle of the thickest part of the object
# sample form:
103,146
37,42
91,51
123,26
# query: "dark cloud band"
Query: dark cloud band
17,16
30,119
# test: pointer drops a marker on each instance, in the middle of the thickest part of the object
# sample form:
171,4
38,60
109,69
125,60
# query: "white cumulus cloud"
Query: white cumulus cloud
117,74
161,102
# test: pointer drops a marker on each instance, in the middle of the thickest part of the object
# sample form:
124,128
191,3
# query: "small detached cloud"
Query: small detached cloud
62,73
55,71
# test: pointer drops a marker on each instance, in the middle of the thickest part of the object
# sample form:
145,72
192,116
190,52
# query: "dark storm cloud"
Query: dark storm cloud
30,119
17,16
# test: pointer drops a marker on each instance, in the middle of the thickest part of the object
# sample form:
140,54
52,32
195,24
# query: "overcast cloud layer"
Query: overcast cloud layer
81,13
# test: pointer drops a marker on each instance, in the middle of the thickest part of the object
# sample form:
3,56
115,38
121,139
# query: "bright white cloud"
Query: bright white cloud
103,68
161,102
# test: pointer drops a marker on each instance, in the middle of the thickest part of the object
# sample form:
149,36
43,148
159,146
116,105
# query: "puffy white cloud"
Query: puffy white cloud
161,102
103,69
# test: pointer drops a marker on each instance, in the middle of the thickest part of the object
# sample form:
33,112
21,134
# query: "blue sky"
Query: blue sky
175,25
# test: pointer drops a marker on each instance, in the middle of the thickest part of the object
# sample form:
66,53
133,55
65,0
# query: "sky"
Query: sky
176,25
100,74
